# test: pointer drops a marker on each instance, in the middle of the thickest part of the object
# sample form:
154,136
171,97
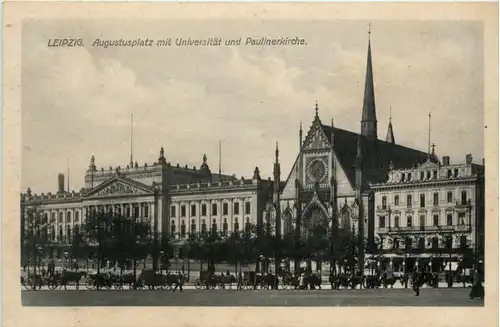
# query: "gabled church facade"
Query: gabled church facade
329,185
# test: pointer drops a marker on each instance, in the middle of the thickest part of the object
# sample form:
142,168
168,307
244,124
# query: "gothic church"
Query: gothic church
331,177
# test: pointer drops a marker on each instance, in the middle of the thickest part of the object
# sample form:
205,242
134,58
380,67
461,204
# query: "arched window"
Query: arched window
214,226
396,221
345,218
408,221
236,225
224,227
183,228
288,226
68,233
203,226
193,226
172,228
247,226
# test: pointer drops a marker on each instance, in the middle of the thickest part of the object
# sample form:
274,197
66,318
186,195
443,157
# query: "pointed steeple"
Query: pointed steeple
390,134
277,169
332,135
277,153
300,136
369,116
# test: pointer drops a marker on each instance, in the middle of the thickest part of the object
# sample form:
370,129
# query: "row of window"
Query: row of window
50,233
435,220
428,174
435,244
203,227
135,211
435,200
225,209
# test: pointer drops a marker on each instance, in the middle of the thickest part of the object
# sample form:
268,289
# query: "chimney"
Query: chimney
60,179
468,159
446,161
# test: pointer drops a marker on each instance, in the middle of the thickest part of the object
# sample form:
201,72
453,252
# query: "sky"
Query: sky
77,101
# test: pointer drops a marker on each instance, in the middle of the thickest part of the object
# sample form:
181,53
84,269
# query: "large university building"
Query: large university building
174,200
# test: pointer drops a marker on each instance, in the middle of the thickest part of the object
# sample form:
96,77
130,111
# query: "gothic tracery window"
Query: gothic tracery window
345,218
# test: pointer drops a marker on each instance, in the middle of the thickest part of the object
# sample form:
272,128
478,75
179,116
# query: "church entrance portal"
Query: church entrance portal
314,232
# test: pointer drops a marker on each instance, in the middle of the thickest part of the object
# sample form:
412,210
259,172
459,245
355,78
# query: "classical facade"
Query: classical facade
431,214
174,200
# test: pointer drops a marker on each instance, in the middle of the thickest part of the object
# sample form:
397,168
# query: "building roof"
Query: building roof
377,157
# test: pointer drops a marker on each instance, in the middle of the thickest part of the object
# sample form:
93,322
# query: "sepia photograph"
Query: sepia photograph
270,162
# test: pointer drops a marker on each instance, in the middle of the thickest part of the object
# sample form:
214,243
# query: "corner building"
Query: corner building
431,217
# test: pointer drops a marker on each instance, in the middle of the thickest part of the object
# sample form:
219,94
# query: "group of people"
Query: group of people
477,289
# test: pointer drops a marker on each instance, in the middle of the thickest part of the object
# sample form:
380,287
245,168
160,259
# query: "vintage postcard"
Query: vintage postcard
250,164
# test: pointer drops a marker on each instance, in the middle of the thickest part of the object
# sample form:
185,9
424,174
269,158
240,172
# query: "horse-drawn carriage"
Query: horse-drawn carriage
211,280
152,279
52,281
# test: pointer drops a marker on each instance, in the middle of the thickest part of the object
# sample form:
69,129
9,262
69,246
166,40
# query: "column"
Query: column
153,217
231,215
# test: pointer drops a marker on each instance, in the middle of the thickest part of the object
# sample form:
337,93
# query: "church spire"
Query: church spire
369,116
390,134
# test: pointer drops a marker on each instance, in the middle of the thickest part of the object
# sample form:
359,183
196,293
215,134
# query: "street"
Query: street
192,297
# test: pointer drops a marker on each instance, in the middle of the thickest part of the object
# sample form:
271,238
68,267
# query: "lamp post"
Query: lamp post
161,261
187,249
404,273
65,264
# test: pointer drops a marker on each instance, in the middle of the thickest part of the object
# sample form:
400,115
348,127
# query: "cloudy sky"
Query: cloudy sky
76,102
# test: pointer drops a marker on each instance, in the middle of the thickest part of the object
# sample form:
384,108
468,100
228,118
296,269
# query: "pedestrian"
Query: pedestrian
179,282
416,284
240,281
301,281
477,289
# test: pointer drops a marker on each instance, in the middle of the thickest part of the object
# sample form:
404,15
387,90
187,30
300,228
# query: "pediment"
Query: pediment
429,165
119,187
316,138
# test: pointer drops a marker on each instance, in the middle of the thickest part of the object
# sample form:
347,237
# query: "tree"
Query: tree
233,248
79,247
407,241
35,238
346,248
375,249
97,231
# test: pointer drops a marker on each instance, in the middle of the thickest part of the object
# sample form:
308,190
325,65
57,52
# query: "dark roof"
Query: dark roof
376,159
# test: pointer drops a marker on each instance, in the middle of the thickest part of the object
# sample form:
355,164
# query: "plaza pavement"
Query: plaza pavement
232,297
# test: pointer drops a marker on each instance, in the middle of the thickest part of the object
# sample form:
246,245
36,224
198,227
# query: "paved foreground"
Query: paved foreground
377,297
